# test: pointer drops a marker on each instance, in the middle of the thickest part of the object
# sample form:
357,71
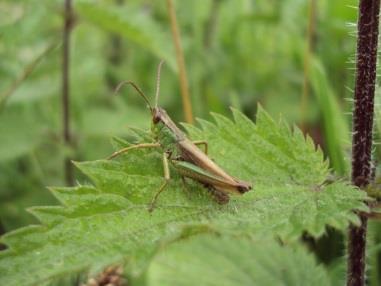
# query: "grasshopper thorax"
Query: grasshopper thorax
164,129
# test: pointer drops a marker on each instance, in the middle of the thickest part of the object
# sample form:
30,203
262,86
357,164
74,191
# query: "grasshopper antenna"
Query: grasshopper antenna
120,85
158,83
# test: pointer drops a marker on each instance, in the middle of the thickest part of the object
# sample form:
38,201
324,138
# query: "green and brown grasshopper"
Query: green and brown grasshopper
183,154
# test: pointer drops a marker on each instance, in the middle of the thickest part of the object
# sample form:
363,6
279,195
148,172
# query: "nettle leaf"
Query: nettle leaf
109,222
213,261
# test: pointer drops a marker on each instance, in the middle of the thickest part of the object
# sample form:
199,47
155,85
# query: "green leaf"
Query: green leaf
20,133
132,24
336,129
109,222
209,261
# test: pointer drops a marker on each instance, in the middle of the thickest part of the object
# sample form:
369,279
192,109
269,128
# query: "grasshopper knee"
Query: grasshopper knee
244,187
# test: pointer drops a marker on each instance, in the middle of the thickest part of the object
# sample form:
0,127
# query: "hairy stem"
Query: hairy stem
65,89
362,128
187,106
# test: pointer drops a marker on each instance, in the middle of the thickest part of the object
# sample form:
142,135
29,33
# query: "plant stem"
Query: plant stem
210,27
68,21
114,56
187,106
25,74
211,24
307,61
2,231
367,41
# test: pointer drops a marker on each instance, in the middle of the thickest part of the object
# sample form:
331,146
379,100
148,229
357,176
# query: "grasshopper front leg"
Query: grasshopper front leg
167,177
137,146
165,166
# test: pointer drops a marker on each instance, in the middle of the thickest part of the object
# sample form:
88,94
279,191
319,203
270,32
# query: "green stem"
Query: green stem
65,90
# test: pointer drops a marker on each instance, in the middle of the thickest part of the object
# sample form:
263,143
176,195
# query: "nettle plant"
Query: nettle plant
108,230
188,236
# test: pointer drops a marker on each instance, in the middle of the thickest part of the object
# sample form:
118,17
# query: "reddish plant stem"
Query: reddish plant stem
68,21
362,128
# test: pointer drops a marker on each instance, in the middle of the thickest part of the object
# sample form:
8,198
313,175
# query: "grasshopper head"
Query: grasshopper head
156,115
157,120
164,127
159,127
160,115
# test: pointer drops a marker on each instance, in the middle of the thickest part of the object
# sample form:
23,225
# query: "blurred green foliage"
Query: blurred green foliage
238,53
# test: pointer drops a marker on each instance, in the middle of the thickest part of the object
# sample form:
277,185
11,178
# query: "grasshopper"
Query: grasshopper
183,154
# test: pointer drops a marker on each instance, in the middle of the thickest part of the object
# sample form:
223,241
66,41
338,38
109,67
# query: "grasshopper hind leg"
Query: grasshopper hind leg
204,143
220,197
